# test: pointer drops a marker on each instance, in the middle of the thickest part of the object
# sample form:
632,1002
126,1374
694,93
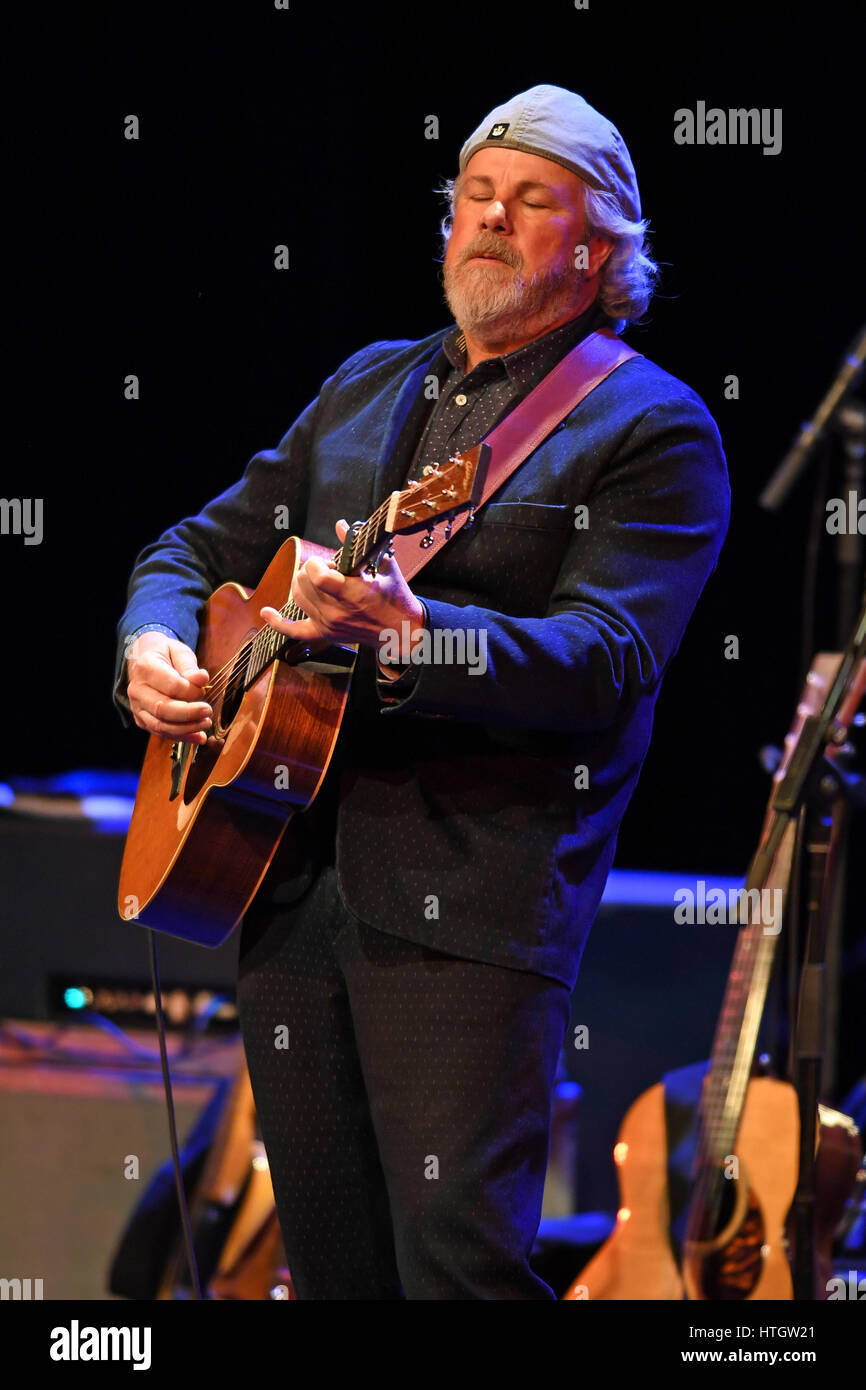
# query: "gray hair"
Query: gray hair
628,277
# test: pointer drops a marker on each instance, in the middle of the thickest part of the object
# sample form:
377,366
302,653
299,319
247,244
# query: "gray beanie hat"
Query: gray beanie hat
560,125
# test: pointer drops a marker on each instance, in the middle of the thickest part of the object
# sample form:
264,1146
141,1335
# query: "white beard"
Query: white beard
496,302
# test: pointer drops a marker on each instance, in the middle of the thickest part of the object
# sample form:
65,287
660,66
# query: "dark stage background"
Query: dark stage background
307,127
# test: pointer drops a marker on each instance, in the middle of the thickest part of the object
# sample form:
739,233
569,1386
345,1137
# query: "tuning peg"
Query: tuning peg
470,520
431,468
428,540
449,526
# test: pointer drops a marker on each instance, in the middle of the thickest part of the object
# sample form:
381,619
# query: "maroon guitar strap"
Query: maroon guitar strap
524,428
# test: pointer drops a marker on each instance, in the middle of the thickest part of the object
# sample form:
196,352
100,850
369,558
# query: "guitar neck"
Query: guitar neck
439,495
736,1038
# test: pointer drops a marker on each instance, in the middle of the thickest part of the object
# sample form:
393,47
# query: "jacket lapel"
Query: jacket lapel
405,422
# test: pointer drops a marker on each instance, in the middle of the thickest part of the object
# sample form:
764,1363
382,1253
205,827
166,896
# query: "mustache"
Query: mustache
486,244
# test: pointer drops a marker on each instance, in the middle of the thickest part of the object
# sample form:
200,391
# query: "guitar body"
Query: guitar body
635,1261
207,820
235,1230
745,1173
253,1261
747,1260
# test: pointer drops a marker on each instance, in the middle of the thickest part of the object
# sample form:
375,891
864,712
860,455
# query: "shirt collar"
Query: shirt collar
526,365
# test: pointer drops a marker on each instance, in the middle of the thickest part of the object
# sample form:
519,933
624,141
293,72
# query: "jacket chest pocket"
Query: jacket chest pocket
510,557
534,516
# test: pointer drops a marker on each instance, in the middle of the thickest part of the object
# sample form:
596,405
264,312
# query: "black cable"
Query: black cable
172,1127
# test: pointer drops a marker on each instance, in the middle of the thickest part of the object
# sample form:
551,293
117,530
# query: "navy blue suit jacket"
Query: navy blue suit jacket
474,831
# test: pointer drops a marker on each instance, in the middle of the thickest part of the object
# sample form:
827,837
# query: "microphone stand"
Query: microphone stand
813,430
836,415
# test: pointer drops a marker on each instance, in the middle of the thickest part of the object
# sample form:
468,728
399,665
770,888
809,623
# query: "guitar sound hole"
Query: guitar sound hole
206,755
732,1272
231,701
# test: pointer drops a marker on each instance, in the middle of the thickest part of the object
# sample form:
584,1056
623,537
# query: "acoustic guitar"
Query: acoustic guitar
208,818
235,1231
748,1130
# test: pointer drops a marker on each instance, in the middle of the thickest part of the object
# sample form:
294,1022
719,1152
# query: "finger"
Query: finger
180,733
180,711
342,529
197,676
309,598
301,629
316,570
390,565
174,712
156,674
186,663
329,616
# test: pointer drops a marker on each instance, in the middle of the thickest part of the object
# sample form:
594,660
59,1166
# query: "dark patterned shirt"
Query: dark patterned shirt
471,404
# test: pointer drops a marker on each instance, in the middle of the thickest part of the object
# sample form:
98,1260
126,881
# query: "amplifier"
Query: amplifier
81,1140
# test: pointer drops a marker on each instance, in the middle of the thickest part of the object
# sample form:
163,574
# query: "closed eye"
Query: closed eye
480,198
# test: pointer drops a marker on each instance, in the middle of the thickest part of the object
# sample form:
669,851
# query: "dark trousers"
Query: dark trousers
407,1120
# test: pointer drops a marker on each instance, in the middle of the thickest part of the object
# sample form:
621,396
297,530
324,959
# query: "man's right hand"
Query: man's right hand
164,688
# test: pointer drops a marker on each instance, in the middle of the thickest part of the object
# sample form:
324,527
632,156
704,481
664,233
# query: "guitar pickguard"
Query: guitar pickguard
182,756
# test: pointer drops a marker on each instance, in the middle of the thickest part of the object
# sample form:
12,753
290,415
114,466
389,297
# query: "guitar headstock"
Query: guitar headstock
440,492
823,671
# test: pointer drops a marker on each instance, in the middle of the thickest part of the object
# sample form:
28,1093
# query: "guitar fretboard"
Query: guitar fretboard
736,1037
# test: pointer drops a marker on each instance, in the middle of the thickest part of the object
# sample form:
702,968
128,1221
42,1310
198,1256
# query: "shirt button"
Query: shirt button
460,400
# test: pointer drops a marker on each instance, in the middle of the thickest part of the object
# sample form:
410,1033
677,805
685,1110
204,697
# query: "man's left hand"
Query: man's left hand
349,608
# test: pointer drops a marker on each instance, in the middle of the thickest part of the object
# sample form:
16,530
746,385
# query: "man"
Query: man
420,928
